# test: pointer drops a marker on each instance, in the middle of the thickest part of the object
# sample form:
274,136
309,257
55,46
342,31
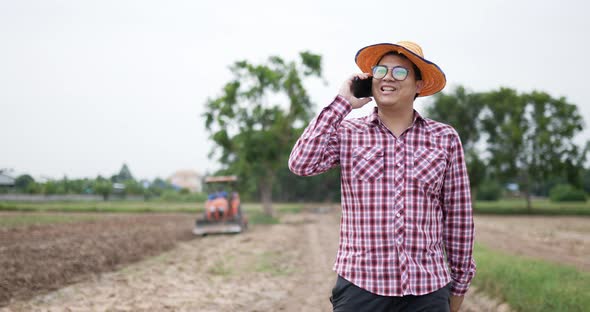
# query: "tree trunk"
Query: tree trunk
266,196
527,192
529,206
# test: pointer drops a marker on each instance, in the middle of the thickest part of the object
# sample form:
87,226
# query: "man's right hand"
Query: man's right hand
346,92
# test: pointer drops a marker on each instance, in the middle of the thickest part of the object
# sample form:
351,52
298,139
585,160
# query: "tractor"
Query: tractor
223,211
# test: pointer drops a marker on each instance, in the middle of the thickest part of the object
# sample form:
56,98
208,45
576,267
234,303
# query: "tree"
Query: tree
319,188
531,136
586,180
103,187
51,187
123,175
253,121
22,182
462,110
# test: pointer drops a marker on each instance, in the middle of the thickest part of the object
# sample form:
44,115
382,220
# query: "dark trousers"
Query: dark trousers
347,297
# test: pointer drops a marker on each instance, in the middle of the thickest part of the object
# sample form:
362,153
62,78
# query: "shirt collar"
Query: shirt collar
373,119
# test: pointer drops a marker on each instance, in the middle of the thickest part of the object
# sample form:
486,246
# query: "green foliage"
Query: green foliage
51,188
133,187
33,188
476,168
567,193
123,175
22,182
531,285
103,187
320,188
586,180
461,110
252,121
530,136
489,190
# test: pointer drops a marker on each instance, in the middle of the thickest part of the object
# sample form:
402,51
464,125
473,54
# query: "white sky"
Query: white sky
86,86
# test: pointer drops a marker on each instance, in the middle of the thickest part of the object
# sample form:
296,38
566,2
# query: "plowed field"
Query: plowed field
151,262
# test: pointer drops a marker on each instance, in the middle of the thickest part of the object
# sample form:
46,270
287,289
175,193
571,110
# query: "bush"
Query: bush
566,193
489,190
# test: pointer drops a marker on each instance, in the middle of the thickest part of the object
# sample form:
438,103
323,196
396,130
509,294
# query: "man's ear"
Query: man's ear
419,85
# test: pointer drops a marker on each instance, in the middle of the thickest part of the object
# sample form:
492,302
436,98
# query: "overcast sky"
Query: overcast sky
86,86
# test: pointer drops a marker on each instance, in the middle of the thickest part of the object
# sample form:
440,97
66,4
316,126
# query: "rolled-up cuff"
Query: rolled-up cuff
459,289
341,106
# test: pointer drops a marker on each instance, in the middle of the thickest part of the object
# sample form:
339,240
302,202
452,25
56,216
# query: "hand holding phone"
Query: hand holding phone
361,88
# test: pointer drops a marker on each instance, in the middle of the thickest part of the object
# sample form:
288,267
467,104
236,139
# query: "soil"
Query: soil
562,240
282,267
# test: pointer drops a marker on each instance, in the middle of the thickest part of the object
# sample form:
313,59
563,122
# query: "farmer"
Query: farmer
406,231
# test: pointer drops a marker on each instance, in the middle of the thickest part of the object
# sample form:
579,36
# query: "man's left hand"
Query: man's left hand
456,303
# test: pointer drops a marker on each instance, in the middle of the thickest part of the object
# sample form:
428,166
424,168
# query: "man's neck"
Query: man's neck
397,120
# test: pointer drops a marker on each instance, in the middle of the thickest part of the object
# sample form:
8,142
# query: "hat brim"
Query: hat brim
433,77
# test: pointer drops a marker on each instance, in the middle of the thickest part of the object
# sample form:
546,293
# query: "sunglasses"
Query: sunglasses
397,72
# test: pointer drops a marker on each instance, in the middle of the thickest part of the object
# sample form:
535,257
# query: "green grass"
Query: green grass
254,210
132,206
529,284
9,221
539,207
222,268
257,217
270,262
102,206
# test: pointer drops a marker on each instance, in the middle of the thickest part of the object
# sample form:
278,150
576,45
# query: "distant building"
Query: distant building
6,180
188,179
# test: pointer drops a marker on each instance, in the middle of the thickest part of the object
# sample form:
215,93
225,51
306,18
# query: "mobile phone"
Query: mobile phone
361,88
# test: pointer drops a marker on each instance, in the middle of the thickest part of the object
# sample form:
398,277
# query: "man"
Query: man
406,231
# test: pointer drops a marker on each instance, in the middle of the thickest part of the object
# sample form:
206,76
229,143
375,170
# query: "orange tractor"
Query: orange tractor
223,210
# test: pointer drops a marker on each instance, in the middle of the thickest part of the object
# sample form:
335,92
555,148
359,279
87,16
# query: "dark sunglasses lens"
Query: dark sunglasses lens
399,73
379,71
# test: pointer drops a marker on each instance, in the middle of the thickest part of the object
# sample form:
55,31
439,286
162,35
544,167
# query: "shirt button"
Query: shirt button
398,215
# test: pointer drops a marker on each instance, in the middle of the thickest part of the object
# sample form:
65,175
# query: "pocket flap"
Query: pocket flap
427,153
368,152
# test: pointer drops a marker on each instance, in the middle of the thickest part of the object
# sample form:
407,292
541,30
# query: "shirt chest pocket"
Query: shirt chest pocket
429,166
367,163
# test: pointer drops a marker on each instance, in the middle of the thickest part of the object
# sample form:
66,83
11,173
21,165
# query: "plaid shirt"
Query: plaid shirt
405,201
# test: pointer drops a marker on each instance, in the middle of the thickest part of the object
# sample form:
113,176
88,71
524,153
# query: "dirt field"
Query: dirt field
556,239
284,267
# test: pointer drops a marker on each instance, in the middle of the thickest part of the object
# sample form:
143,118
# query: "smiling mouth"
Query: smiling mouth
388,89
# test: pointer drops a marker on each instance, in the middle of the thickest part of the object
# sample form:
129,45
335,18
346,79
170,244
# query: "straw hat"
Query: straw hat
433,77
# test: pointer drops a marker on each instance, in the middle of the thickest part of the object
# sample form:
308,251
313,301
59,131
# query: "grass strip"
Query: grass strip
132,206
530,284
9,221
539,207
501,207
